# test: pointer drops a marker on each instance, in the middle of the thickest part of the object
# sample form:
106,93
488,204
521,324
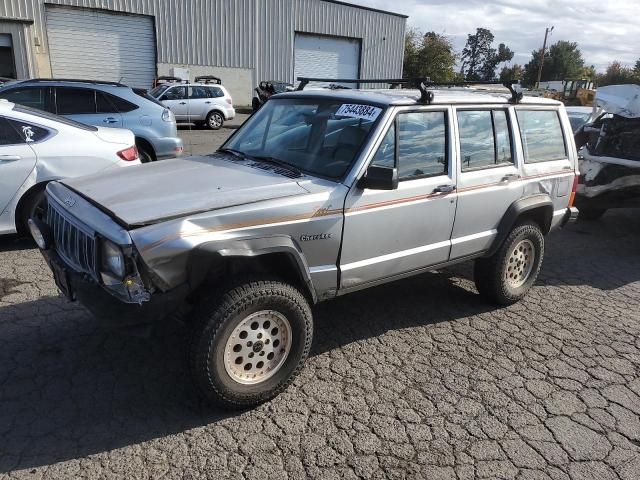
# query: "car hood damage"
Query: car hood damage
159,191
610,157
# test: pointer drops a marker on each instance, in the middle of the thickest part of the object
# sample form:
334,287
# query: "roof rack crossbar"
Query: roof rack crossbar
208,79
74,80
423,85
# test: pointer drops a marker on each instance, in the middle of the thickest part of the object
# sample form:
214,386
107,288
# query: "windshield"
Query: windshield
157,91
578,119
319,137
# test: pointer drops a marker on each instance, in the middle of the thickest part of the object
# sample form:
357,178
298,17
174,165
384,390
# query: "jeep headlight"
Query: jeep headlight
113,259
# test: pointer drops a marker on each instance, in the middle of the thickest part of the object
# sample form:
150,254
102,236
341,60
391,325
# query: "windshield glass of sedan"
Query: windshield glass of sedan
316,136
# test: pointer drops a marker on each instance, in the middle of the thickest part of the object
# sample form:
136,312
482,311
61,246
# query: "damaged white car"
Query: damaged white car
610,157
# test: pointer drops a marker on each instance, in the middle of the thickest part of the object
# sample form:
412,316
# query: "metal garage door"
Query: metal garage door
327,57
96,45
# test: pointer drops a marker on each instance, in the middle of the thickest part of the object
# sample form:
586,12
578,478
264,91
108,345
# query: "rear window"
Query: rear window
542,137
55,118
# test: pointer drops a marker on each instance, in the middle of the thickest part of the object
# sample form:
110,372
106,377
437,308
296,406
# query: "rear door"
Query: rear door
199,102
80,104
549,154
17,159
391,232
175,99
489,176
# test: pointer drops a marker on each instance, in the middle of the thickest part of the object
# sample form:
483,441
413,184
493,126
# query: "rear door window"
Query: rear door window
485,140
542,137
75,101
28,132
197,92
8,134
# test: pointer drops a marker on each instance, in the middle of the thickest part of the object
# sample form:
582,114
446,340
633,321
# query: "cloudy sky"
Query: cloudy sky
605,30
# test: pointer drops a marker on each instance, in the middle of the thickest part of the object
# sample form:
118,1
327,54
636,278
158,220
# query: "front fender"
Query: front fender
204,256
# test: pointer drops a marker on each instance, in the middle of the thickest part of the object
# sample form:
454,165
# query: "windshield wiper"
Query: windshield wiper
279,163
236,153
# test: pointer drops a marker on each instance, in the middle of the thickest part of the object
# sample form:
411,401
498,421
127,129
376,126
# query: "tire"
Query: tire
34,205
219,365
506,277
145,155
590,214
215,120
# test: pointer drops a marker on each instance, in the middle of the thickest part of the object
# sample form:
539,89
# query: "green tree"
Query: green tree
562,61
480,59
429,55
617,74
514,72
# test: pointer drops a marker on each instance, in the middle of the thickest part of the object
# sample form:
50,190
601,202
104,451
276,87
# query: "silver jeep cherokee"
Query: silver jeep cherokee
319,193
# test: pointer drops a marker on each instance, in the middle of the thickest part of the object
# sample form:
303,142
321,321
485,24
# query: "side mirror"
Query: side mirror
380,178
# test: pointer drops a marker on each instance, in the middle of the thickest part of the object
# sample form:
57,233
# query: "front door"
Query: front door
489,178
175,99
17,160
391,232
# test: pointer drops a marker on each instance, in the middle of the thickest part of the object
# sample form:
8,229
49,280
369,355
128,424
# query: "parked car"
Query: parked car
266,89
205,102
365,187
580,116
610,153
104,104
37,147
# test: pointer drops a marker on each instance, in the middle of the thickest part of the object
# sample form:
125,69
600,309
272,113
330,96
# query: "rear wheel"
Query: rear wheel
250,342
145,153
215,120
506,277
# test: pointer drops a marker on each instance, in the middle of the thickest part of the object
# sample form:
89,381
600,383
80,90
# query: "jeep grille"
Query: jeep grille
76,246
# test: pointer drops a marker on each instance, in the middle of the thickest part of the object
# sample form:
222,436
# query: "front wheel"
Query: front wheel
506,277
215,120
250,342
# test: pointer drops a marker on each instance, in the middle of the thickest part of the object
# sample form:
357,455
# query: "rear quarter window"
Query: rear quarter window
542,137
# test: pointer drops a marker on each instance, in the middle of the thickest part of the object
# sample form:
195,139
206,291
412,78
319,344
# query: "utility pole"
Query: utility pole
544,47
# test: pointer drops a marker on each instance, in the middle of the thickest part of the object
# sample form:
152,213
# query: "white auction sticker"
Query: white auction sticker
358,111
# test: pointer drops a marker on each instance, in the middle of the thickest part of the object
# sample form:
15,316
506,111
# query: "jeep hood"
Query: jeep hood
153,192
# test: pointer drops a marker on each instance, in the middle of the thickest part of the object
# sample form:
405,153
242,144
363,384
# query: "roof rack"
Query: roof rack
169,79
74,80
208,79
426,96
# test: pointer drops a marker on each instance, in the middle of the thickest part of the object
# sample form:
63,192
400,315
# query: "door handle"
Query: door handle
510,177
207,101
9,158
110,120
183,103
444,189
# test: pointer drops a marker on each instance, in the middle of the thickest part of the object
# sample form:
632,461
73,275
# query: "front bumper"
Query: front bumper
106,308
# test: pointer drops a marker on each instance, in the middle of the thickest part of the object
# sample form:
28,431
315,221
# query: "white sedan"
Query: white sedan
37,147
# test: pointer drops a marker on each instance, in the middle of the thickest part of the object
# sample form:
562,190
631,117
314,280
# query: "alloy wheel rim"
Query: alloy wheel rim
258,347
520,263
215,120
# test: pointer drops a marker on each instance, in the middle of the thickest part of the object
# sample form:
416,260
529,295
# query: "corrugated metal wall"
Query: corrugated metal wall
255,34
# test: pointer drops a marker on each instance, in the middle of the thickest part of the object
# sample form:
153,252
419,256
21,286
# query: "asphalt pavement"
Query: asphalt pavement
418,379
